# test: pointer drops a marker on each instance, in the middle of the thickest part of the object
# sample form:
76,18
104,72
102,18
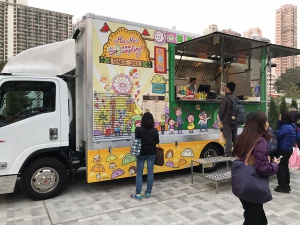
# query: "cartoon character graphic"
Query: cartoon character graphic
190,118
107,130
97,159
171,125
128,126
135,120
179,121
203,120
117,128
132,170
112,165
217,122
122,115
138,123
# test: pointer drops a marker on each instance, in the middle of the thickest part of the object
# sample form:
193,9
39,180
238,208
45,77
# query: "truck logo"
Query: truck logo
126,48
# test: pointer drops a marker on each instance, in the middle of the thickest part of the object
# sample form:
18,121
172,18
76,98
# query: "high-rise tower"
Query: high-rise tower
286,34
23,27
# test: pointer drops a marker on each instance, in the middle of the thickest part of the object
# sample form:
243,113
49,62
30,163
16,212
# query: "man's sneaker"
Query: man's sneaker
136,196
147,195
289,187
278,189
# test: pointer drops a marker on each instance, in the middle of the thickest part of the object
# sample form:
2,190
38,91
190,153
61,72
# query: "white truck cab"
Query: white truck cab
35,106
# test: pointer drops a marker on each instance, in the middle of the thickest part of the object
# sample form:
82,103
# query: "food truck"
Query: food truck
76,103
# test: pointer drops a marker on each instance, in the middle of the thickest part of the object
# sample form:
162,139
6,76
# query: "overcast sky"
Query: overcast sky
192,16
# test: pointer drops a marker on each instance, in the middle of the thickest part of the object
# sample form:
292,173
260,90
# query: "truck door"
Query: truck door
29,120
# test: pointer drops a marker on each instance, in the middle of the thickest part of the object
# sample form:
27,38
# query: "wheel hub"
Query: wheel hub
44,180
210,153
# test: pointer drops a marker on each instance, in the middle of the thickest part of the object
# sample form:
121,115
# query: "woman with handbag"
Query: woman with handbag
251,170
286,135
150,138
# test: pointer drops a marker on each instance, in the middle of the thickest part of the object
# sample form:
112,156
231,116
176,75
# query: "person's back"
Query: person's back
149,137
295,117
286,135
229,132
252,148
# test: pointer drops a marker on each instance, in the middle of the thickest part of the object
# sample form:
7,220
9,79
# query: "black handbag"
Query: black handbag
247,184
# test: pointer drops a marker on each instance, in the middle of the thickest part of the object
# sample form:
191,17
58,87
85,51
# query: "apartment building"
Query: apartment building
231,32
23,27
286,34
253,32
211,28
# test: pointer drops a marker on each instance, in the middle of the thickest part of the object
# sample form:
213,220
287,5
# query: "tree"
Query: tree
273,113
289,83
282,106
294,104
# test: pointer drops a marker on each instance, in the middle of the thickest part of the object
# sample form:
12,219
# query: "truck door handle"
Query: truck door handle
53,134
3,165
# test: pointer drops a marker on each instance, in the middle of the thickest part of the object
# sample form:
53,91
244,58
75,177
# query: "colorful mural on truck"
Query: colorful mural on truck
130,65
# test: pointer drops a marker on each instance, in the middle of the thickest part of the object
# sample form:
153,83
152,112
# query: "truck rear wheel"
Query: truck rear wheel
210,150
44,178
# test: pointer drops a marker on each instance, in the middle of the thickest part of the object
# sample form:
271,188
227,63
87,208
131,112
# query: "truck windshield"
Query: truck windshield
23,99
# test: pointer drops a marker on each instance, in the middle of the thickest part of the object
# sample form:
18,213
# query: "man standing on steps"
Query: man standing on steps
229,132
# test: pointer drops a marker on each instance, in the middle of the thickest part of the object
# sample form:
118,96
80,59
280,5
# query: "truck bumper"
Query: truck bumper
7,184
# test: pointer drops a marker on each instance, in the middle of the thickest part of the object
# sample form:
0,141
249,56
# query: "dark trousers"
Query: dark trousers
254,213
162,128
179,128
230,135
283,174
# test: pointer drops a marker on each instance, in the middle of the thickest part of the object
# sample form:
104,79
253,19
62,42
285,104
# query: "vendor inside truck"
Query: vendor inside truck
219,58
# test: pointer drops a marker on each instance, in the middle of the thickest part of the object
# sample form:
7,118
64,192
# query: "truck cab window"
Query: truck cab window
23,99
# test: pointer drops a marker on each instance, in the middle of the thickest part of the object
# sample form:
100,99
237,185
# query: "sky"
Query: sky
192,16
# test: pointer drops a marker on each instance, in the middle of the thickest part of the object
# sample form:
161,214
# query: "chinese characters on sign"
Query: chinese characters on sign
160,60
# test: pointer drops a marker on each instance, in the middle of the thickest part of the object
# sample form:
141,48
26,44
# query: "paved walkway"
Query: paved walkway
174,201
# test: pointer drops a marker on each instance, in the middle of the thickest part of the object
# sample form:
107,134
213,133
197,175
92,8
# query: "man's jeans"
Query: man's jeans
230,135
139,176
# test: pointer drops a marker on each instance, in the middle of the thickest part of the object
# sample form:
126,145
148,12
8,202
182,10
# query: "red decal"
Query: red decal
145,33
105,28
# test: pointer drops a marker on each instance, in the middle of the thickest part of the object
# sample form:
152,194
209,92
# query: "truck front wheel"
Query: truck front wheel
43,178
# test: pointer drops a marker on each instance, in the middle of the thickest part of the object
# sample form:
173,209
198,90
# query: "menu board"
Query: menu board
156,108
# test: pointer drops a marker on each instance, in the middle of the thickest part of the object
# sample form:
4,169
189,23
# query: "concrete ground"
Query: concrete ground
174,201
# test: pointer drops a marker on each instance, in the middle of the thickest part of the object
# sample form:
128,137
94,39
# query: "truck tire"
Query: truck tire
43,178
210,150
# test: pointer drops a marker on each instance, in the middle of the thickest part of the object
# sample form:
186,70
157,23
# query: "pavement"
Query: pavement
174,200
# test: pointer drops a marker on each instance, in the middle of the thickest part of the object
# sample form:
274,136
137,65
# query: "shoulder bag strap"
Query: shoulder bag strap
249,153
232,102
